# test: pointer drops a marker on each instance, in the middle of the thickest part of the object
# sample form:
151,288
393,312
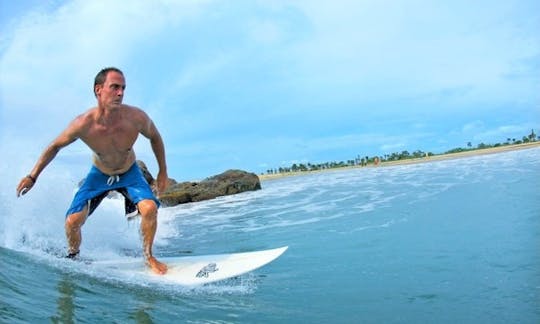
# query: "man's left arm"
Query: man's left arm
158,147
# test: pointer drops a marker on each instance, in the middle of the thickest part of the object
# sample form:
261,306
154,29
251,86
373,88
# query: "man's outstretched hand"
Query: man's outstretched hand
25,185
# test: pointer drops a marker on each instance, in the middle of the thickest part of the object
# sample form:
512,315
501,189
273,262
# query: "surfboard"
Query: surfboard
197,270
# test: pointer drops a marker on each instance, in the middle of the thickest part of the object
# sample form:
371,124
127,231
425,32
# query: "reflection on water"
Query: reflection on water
141,316
65,310
74,301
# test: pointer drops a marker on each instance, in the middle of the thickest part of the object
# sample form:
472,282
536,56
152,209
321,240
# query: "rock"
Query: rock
147,175
227,183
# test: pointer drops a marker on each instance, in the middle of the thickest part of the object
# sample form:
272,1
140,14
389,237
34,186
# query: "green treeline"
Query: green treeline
397,156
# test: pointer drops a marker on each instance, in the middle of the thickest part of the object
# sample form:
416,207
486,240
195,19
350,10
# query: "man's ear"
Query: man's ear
97,89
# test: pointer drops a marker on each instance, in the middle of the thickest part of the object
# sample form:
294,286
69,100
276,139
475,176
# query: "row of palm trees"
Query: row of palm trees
397,156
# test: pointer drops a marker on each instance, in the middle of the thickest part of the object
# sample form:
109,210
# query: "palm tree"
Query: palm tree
532,136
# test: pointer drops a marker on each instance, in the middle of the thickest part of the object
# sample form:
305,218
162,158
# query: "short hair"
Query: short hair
102,76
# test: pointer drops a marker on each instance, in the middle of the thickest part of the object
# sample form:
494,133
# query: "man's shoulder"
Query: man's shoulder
132,109
87,116
132,112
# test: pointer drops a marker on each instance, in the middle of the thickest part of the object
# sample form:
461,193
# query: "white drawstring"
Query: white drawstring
112,179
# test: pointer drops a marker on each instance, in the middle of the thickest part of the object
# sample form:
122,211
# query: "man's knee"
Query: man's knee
147,208
76,219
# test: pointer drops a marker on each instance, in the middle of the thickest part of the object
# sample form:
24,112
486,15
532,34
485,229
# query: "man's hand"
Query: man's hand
162,182
25,185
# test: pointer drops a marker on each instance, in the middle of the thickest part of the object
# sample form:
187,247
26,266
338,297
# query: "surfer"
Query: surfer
110,130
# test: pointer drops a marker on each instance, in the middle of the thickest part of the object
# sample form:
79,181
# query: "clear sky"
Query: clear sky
255,85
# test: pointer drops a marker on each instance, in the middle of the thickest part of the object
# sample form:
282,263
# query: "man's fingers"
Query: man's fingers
24,186
21,192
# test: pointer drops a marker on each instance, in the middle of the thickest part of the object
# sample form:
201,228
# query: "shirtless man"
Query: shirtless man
110,131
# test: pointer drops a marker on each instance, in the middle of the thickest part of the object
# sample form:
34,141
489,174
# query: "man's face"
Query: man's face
111,93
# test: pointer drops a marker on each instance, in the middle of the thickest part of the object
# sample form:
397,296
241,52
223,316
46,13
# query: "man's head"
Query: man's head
102,76
109,86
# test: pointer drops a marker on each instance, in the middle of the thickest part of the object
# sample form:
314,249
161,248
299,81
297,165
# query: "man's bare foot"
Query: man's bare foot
156,266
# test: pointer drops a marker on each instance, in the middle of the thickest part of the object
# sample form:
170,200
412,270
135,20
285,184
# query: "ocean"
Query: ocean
455,241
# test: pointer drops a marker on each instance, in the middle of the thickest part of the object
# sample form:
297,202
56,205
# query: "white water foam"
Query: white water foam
35,221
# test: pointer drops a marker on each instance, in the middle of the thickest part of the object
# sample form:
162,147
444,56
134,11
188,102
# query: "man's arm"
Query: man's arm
158,147
68,136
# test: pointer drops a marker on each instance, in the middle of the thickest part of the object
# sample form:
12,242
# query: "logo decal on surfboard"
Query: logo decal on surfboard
206,270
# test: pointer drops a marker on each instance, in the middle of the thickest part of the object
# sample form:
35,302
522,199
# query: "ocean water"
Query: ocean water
454,241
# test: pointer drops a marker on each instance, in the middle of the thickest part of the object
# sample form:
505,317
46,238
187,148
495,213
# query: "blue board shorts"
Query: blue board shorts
97,185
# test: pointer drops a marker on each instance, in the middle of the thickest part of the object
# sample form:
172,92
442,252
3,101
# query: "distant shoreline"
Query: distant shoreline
433,158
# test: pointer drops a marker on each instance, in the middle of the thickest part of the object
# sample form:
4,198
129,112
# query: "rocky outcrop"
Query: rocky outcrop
227,183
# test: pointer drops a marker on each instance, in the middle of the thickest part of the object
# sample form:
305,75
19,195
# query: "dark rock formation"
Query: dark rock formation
147,175
227,183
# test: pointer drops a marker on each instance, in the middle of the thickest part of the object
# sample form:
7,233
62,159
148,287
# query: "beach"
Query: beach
433,158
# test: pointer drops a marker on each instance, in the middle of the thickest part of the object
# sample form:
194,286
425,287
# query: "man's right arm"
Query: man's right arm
68,136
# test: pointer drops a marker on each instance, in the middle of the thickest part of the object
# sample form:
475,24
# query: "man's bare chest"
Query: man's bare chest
119,137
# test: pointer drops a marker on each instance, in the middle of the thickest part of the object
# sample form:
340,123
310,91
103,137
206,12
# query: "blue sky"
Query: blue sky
255,85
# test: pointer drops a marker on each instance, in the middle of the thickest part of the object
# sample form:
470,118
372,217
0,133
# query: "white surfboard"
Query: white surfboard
197,270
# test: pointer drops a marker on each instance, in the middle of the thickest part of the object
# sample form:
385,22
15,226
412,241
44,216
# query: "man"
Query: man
110,131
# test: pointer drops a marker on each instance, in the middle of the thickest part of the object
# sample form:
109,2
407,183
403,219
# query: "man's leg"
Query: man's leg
73,225
148,210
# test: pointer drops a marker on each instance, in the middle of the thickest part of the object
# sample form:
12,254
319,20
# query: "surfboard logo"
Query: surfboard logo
206,270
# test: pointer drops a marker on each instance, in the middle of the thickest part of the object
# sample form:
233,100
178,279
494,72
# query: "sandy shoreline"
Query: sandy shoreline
441,157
